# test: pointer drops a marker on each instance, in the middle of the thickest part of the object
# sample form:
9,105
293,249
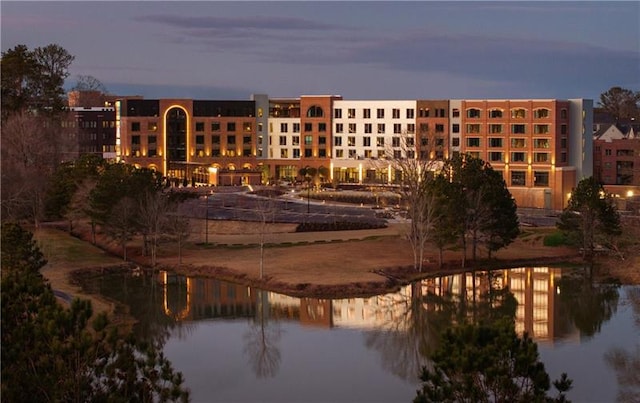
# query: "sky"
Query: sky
360,50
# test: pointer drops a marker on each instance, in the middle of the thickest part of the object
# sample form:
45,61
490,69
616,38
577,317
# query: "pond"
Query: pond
240,344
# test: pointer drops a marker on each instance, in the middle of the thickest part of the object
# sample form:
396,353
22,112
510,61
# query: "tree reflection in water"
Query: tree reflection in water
418,319
626,363
262,338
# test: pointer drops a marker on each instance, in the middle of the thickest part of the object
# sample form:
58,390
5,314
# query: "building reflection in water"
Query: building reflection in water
536,290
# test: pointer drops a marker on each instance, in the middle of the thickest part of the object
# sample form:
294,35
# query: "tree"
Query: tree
180,229
590,217
153,208
89,83
621,103
50,353
487,363
487,208
34,79
447,228
121,224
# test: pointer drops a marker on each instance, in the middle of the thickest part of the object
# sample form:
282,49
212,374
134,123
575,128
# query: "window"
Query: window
424,127
440,113
518,113
495,156
473,113
151,126
308,140
215,139
199,126
455,128
563,113
410,113
473,128
607,151
368,127
380,113
200,140
397,128
339,128
381,128
322,127
540,129
563,129
284,153
397,154
473,142
455,113
322,153
455,142
339,153
315,112
518,157
322,140
541,143
337,113
411,154
495,142
337,141
540,178
563,142
518,178
495,128
352,153
366,141
295,140
153,146
308,153
395,141
351,141
231,139
541,113
351,113
379,141
215,126
439,128
439,142
247,126
283,140
541,157
518,143
382,154
352,127
410,141
366,113
411,128
135,126
308,127
424,112
284,127
519,129
495,113
231,127
395,113
296,153
296,127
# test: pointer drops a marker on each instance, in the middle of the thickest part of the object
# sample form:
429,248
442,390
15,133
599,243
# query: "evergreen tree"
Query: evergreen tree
50,353
590,217
487,362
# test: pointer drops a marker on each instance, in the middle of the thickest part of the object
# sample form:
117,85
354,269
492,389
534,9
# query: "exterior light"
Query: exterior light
629,193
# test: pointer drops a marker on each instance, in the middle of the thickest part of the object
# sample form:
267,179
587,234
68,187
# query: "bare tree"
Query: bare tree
179,228
266,213
419,203
121,224
153,209
79,205
262,339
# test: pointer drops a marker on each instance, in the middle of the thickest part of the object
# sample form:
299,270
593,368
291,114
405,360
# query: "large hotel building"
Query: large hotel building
542,147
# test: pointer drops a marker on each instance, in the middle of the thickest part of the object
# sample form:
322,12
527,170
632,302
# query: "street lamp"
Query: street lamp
308,178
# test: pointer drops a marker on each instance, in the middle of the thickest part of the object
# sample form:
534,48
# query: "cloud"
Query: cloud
237,23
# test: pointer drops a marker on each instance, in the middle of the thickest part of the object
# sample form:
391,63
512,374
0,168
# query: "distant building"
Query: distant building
541,147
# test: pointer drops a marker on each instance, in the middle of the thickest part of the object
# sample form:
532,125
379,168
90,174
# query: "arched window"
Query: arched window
495,113
473,113
518,113
315,112
541,113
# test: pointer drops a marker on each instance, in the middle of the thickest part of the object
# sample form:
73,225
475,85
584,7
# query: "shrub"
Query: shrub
555,239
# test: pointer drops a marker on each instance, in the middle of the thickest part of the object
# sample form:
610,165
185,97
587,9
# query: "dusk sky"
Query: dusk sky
360,50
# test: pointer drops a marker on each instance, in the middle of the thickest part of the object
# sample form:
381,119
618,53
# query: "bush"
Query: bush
337,226
555,239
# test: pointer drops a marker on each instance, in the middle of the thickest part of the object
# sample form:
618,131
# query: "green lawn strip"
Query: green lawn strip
64,250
